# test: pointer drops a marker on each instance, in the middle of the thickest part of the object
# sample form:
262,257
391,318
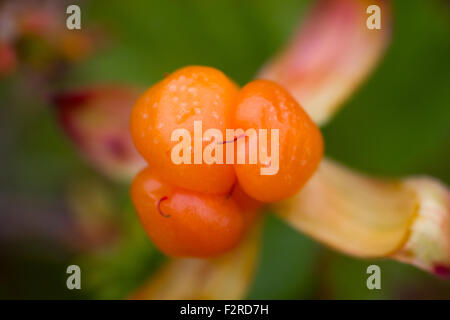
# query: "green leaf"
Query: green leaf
287,263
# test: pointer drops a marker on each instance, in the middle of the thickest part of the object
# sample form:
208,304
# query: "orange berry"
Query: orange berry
263,104
189,94
186,223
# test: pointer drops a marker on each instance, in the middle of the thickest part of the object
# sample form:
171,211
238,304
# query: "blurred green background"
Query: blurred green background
396,124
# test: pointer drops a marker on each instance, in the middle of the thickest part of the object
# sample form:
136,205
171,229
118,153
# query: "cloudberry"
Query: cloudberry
202,209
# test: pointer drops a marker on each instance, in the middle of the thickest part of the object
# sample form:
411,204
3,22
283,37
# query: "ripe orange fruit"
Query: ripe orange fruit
186,223
194,207
263,104
189,94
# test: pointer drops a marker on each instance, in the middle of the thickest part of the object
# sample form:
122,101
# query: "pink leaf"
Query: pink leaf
329,56
96,119
8,59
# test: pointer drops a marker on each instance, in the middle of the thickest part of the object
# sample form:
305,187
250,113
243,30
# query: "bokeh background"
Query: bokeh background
56,210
